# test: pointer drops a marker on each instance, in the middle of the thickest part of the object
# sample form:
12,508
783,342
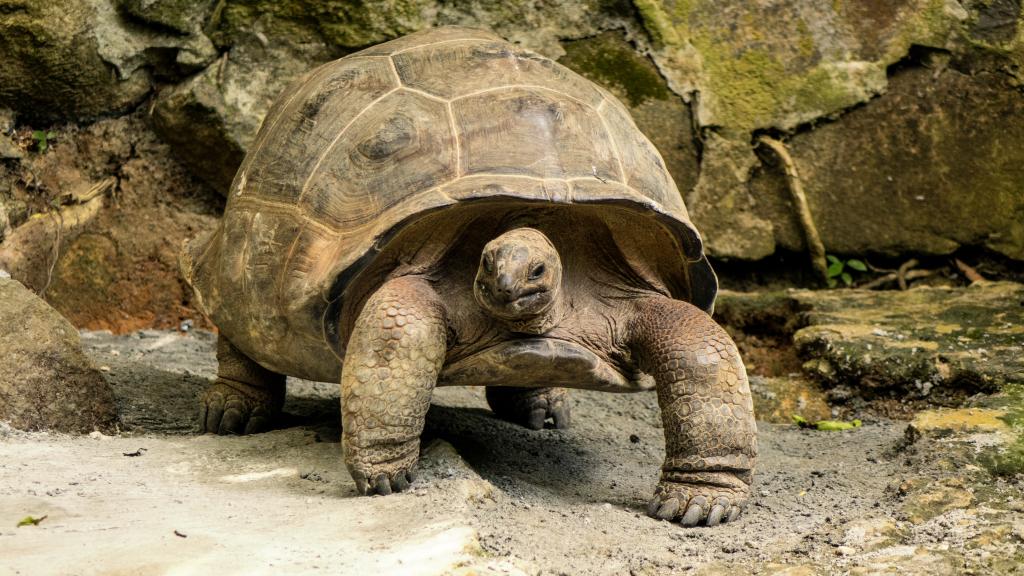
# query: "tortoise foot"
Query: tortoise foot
236,408
531,407
385,477
696,504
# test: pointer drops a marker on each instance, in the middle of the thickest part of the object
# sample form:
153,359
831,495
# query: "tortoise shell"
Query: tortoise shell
359,149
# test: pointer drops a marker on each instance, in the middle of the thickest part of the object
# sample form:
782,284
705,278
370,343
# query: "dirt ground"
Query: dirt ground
492,498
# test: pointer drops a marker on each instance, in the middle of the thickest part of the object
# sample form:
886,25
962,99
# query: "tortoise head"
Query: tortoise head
519,280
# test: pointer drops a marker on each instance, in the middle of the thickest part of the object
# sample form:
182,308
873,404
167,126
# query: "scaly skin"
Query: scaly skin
706,408
246,397
530,407
394,355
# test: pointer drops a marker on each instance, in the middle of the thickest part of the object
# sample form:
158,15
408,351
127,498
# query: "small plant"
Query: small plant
837,270
41,137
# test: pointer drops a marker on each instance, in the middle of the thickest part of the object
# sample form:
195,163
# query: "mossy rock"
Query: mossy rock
780,64
778,399
51,68
923,342
181,16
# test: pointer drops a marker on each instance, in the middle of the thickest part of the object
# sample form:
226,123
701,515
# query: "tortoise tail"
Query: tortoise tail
190,259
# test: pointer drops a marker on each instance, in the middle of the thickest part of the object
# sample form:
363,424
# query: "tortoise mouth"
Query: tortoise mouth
524,305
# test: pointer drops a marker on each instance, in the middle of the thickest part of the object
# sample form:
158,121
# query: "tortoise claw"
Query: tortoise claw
695,504
233,409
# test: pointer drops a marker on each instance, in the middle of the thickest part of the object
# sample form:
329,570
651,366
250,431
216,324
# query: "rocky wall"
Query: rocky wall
904,119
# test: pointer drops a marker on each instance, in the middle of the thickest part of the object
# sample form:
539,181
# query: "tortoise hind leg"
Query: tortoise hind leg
530,407
245,398
706,408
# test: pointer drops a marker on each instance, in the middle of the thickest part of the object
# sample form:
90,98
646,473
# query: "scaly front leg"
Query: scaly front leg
706,408
391,364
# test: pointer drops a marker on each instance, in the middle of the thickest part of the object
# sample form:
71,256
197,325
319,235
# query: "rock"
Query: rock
46,381
9,150
734,222
934,343
77,59
927,341
871,179
52,62
822,57
993,429
778,399
787,570
909,111
945,420
909,560
351,25
870,534
937,498
182,16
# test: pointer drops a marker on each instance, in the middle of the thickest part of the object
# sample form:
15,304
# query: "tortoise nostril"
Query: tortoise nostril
504,284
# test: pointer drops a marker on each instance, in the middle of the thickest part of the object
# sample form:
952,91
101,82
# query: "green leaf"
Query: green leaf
833,259
832,282
835,269
847,279
834,425
30,521
40,137
856,265
825,425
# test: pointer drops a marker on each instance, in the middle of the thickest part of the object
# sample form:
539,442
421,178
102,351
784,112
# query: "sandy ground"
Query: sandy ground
492,498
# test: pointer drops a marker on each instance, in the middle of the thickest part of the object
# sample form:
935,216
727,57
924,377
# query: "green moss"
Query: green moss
745,85
806,43
612,62
1008,460
658,23
761,65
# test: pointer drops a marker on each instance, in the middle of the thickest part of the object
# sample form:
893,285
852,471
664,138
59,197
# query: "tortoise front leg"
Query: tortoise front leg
706,408
391,364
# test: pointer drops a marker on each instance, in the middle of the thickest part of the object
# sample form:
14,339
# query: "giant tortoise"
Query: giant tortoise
451,209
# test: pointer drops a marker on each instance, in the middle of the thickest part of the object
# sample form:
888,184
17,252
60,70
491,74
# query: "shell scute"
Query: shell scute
396,148
457,70
533,132
315,118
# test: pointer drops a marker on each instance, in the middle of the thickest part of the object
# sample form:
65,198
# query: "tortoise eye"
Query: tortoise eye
537,272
